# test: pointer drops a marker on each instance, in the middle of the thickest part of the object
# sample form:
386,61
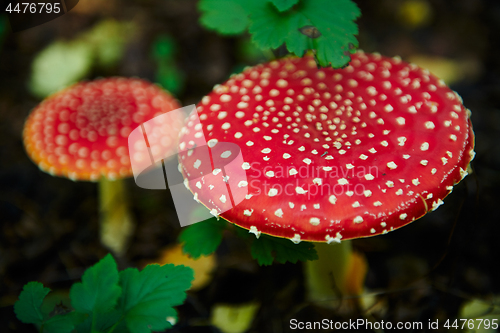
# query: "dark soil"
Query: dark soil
425,271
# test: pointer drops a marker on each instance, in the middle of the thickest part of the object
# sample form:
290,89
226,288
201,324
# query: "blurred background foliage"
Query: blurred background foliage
101,46
439,267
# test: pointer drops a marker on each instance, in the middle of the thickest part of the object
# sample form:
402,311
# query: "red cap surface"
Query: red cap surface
81,132
333,154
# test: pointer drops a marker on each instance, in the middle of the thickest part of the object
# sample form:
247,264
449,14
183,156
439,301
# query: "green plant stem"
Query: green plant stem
111,330
326,277
92,328
116,223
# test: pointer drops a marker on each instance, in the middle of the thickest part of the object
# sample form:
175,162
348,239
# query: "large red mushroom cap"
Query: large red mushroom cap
333,154
81,132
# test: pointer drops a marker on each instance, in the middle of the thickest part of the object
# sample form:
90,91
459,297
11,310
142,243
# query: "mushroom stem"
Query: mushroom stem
338,272
116,223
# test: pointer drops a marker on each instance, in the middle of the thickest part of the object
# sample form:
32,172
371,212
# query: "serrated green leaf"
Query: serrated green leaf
262,251
334,19
149,296
146,303
269,27
202,238
102,322
63,323
283,5
288,251
274,22
99,290
266,248
296,42
337,28
225,16
27,308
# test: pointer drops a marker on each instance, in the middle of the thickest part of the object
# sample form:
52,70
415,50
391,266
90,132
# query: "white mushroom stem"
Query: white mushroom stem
327,278
116,223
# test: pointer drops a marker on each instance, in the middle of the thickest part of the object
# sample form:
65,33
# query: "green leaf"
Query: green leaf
333,19
149,296
272,23
99,290
102,322
145,305
27,308
203,238
283,5
225,16
267,248
337,28
269,27
262,251
63,323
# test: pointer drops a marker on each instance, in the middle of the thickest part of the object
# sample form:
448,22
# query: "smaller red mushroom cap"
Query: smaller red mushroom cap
331,154
81,132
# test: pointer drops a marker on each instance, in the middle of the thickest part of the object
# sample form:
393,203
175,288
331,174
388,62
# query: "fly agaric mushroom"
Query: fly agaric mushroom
333,154
82,133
